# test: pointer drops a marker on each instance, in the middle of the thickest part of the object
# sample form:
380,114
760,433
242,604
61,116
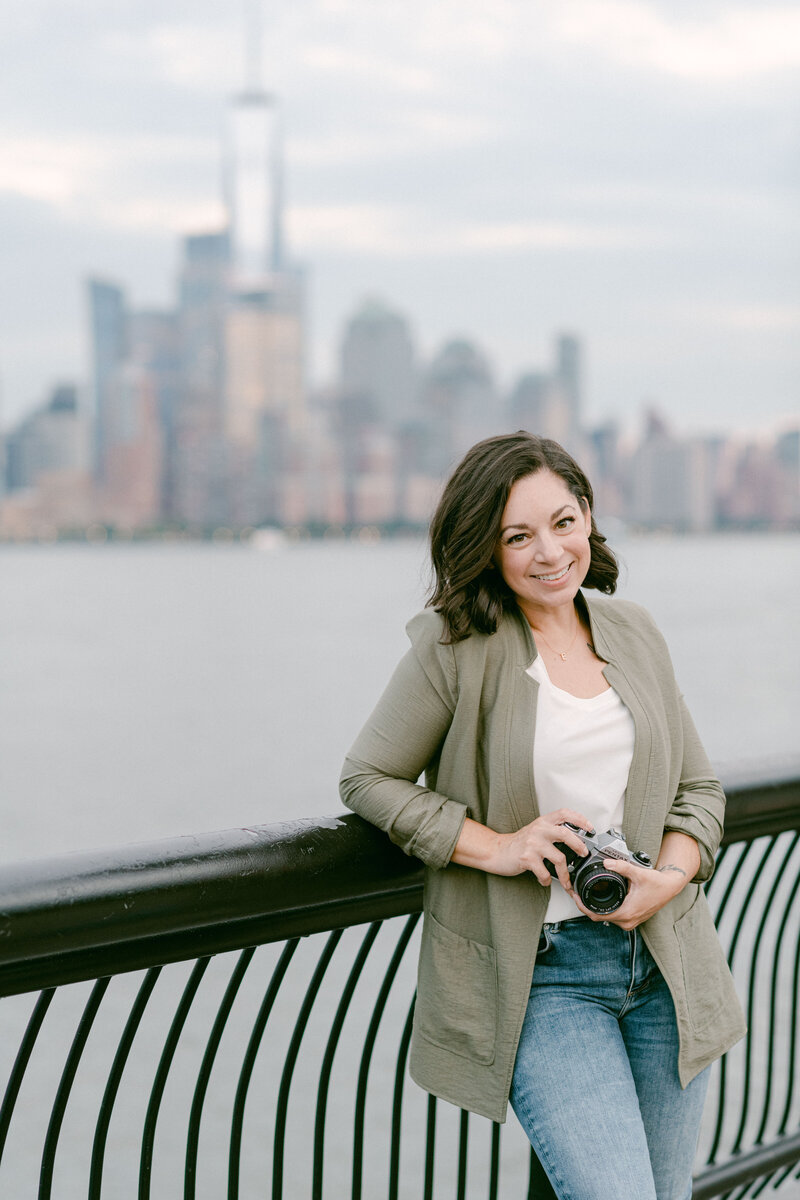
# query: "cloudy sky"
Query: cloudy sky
500,169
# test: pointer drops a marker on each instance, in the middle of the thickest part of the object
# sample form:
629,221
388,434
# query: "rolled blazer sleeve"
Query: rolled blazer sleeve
399,741
699,805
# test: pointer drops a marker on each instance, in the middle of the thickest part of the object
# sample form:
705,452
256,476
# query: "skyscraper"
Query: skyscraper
109,338
568,374
263,410
200,495
253,190
210,401
52,438
538,404
460,401
671,483
378,363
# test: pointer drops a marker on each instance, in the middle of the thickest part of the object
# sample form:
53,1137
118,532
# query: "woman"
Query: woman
528,705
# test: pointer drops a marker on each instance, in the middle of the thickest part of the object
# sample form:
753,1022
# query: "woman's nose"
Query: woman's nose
545,547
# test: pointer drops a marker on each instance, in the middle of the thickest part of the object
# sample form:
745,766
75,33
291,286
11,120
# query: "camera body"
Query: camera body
600,889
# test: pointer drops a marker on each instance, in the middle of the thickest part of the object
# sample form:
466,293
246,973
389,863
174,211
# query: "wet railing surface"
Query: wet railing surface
229,1015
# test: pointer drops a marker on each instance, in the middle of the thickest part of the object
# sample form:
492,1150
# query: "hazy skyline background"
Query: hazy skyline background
625,169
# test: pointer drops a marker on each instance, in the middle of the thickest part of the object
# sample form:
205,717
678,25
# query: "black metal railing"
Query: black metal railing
230,1015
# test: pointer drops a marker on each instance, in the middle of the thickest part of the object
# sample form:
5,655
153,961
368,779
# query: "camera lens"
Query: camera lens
602,891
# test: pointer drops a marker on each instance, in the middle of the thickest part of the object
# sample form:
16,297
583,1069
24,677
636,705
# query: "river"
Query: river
149,691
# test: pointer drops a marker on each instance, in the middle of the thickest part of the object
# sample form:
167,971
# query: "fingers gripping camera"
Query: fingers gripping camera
600,889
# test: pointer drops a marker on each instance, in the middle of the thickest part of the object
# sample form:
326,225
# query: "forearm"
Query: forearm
533,848
478,846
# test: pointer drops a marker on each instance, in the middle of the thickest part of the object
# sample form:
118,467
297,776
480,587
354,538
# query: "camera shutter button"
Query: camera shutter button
643,858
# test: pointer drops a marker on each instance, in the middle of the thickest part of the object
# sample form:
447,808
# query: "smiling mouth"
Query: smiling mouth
553,578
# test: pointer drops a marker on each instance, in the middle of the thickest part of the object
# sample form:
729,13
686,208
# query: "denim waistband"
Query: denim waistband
554,926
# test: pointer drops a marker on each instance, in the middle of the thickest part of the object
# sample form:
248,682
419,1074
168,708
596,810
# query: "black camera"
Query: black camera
601,890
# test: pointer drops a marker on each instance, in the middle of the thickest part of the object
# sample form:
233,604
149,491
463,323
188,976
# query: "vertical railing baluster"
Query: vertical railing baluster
539,1185
204,1074
291,1059
781,1176
160,1081
494,1169
248,1065
773,998
723,1066
430,1148
793,1030
65,1087
397,1103
21,1063
463,1145
751,992
327,1059
757,1188
114,1078
369,1045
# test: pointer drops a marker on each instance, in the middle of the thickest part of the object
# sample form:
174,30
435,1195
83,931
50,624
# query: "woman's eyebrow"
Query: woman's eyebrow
525,525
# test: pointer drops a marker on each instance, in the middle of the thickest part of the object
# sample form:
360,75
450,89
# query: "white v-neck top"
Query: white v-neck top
582,752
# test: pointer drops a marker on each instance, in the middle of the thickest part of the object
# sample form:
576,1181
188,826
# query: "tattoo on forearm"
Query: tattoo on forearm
672,867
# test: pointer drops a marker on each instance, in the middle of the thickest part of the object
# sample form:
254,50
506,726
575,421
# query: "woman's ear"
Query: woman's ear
587,514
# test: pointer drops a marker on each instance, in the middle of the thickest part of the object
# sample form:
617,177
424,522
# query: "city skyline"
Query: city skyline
419,167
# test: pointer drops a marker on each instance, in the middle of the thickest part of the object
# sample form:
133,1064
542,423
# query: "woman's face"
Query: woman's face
543,551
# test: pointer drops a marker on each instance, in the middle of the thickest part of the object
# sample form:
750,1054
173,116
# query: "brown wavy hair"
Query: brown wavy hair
467,589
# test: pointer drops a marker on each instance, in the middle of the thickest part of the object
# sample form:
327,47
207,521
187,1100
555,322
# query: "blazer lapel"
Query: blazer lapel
639,782
519,747
520,724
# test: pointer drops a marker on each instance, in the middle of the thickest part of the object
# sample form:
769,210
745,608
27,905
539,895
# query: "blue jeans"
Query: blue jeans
595,1083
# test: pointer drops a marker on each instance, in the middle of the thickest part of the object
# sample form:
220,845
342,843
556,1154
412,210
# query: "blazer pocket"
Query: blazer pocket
706,975
457,993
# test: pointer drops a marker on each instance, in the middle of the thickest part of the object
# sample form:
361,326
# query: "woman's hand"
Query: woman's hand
649,890
528,849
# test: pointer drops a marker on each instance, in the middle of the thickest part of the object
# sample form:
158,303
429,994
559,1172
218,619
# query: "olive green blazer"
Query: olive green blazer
465,715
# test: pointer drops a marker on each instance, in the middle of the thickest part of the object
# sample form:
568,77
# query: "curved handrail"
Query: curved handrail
84,915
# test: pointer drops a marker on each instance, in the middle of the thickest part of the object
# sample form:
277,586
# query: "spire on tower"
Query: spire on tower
253,171
253,29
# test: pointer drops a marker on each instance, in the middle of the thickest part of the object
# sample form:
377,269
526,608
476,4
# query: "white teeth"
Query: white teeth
550,578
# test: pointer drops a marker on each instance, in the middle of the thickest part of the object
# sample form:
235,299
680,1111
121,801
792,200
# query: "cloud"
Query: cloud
87,178
205,58
639,150
726,46
415,134
778,319
49,169
351,64
396,231
554,235
161,215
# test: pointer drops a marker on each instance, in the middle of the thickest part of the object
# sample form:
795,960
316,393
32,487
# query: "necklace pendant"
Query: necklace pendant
563,654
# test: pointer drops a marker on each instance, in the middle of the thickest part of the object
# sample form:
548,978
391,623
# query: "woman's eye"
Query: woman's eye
565,523
515,539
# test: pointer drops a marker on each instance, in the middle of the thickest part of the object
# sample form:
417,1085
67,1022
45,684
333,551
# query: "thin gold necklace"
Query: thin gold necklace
561,653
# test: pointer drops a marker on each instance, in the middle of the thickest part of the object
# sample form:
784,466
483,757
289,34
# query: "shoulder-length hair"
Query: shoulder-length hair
467,589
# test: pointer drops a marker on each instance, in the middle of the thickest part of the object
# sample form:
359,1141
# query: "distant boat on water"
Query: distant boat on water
268,539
